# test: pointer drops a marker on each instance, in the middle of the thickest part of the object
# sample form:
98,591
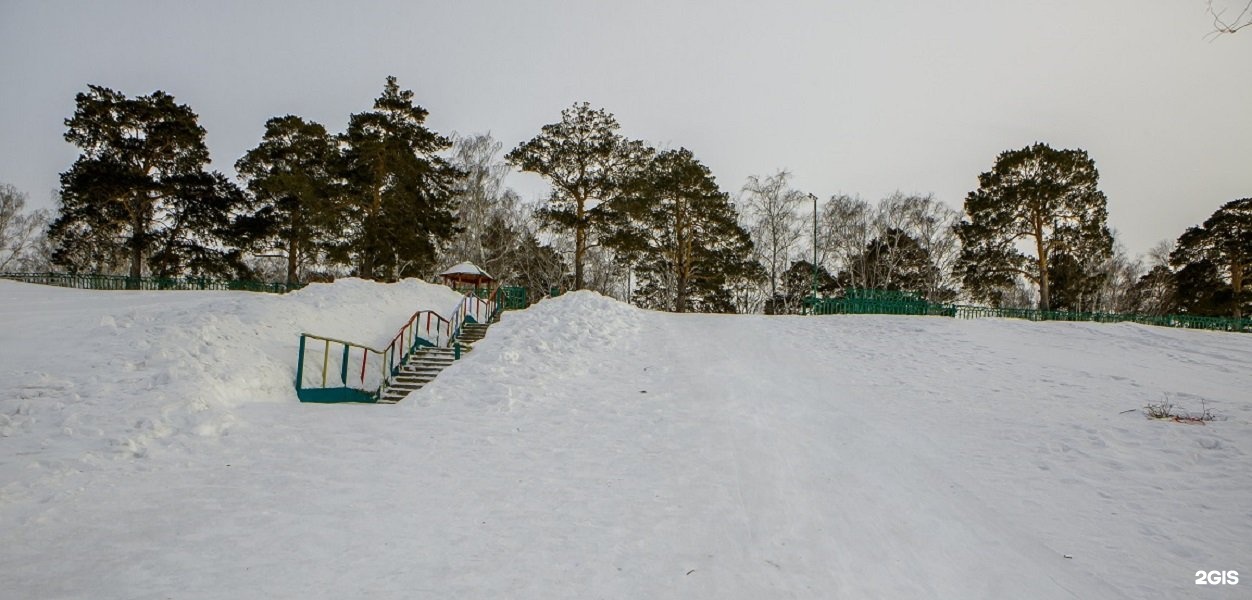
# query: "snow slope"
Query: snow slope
586,449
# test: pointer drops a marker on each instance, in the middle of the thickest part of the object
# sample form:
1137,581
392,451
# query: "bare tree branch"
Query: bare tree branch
1222,25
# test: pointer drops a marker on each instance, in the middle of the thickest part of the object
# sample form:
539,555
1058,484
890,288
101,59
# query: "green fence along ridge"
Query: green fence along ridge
888,302
121,282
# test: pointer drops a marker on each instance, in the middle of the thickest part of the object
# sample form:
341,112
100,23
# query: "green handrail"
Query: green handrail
426,328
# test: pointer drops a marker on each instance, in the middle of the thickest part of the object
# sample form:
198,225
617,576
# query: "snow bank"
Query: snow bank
92,372
552,343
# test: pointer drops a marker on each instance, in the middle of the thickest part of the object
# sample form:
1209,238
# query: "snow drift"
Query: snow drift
124,368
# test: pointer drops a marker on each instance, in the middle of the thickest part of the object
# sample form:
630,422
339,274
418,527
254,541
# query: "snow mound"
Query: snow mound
571,335
93,373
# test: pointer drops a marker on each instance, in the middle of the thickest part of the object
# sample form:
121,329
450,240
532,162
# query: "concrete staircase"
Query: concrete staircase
427,363
472,332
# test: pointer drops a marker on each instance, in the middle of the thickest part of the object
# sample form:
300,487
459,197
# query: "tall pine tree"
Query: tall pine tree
683,235
1215,262
587,162
1034,204
292,177
400,191
138,197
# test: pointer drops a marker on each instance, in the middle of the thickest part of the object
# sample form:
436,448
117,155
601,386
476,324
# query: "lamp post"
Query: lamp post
814,309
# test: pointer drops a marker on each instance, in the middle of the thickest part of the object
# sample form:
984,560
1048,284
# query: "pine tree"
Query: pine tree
1070,282
1035,203
291,175
797,285
1219,254
587,162
897,261
138,195
400,191
683,235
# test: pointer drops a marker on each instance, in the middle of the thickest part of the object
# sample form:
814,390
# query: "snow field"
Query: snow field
589,449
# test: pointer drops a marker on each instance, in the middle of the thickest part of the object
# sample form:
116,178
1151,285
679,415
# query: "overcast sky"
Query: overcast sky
853,97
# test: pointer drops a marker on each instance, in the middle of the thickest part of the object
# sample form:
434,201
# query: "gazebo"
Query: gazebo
466,276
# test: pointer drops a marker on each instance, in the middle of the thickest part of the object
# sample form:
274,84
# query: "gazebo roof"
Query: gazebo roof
466,272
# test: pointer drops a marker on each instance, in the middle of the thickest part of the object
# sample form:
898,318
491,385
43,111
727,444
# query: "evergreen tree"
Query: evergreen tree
291,175
1219,253
1035,203
1074,286
797,285
919,225
587,162
1199,290
683,236
199,236
138,195
897,261
401,204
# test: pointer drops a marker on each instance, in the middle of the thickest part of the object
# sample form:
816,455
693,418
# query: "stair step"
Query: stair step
425,364
411,375
404,388
411,380
407,376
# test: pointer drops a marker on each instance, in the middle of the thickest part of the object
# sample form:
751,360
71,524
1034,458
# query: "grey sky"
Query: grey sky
852,97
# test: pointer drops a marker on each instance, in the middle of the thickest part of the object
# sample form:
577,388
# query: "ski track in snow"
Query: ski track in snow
589,449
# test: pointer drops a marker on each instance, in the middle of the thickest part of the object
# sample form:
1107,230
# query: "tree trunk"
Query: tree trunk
1236,284
1045,286
369,258
580,241
136,250
292,248
1045,291
683,263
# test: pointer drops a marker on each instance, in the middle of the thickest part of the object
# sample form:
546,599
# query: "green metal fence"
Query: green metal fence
886,302
121,282
512,297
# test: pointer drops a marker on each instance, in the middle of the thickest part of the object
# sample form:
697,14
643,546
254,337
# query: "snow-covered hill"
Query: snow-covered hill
151,447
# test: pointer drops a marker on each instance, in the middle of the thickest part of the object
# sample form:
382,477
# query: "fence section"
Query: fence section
886,302
121,282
